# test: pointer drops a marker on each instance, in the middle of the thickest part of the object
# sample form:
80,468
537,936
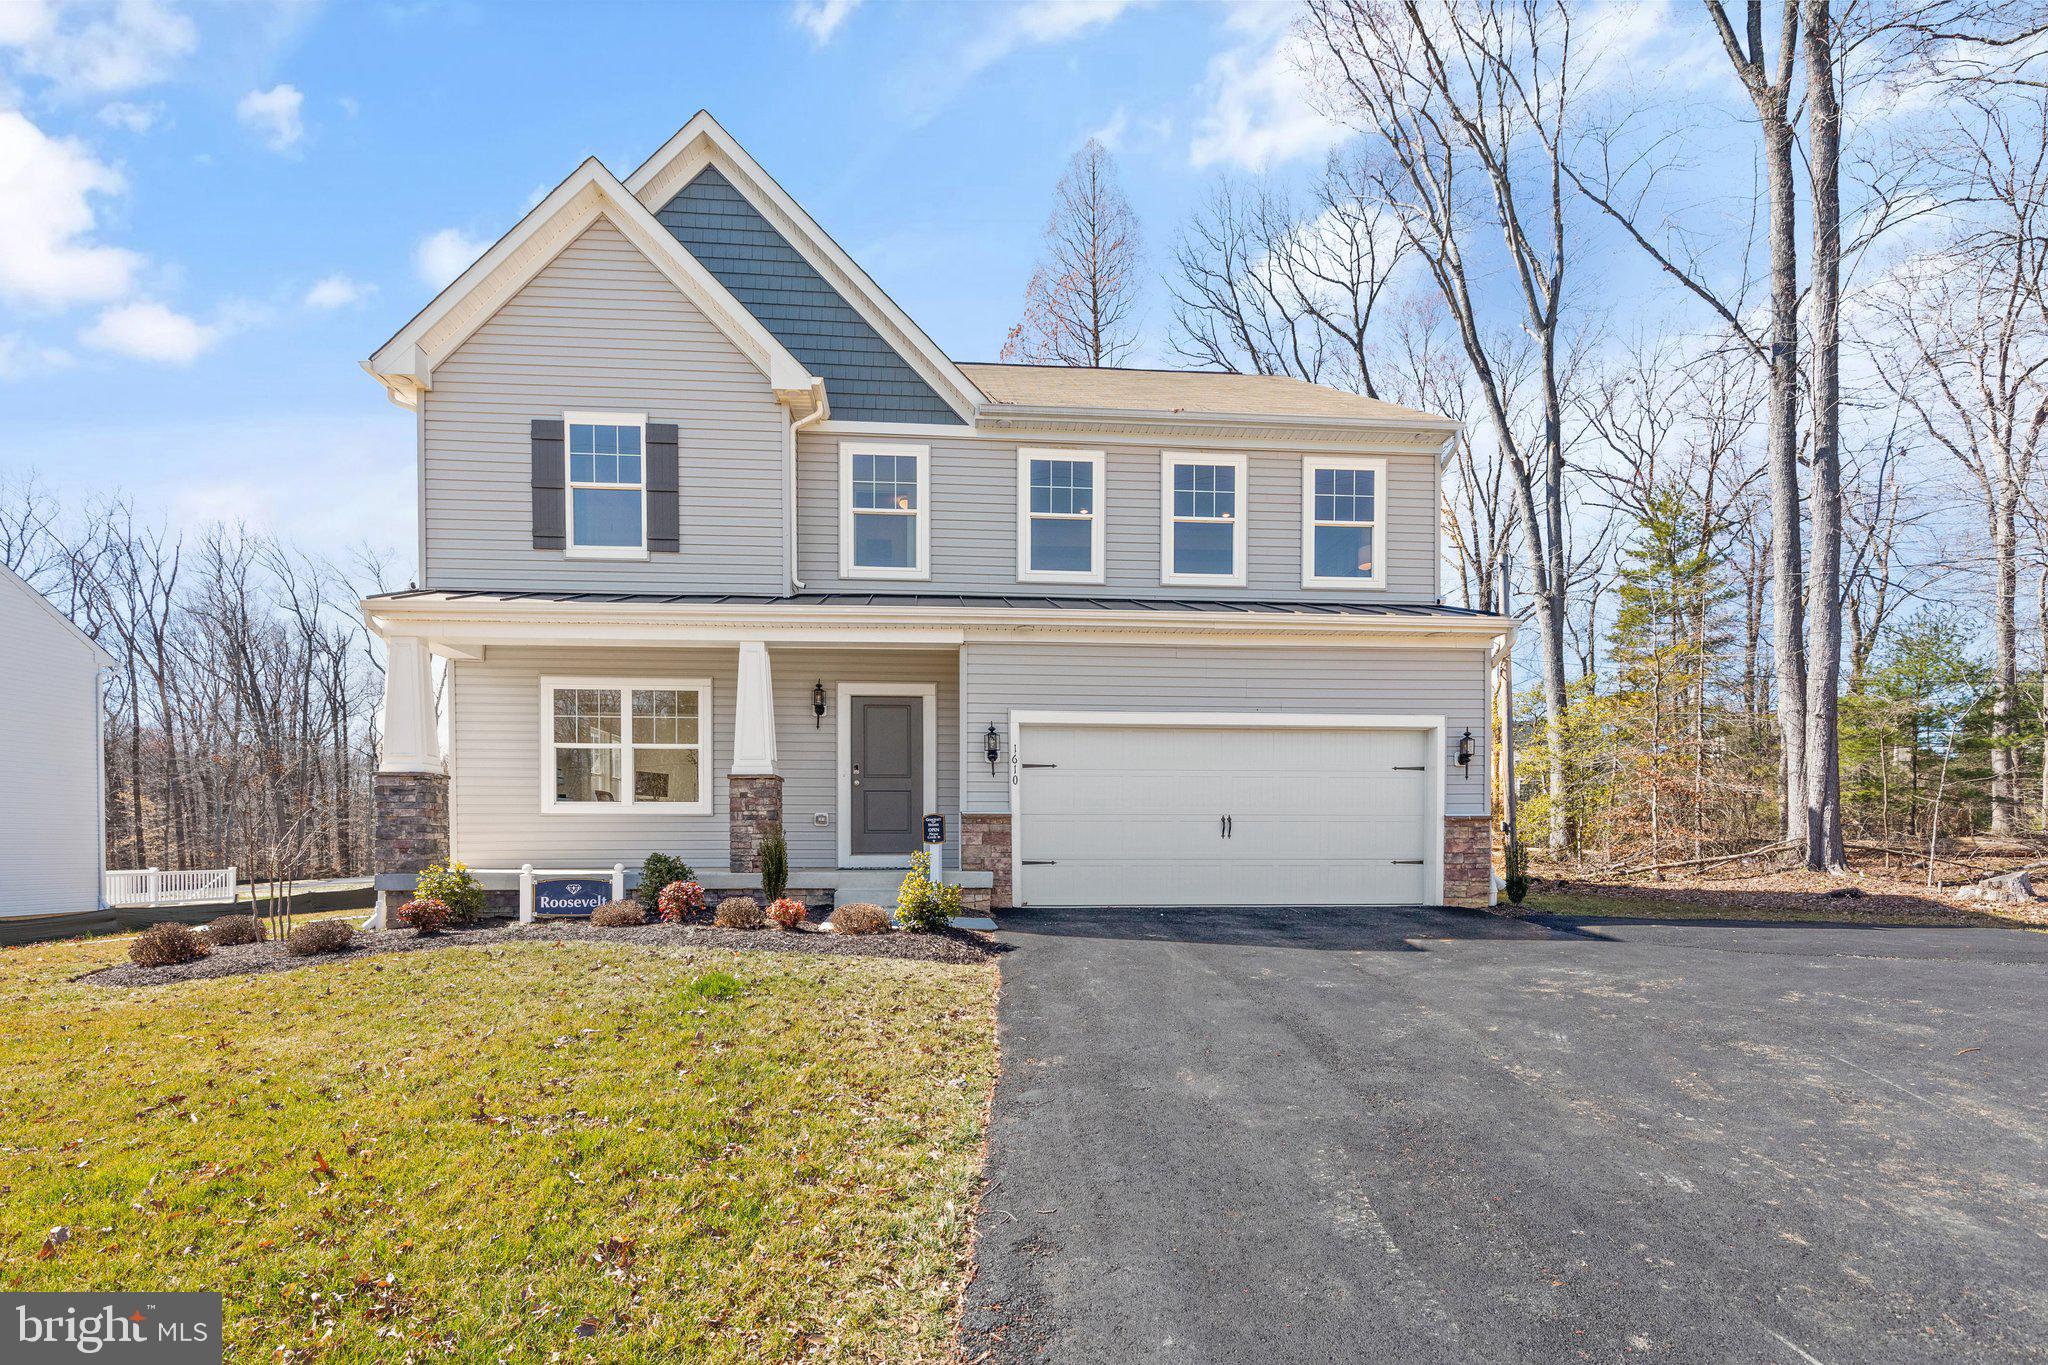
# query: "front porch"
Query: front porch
584,751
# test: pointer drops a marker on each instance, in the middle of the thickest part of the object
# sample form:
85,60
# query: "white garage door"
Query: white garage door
1211,815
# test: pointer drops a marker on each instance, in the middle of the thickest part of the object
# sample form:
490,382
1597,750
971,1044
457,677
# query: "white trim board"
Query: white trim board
1435,726
929,693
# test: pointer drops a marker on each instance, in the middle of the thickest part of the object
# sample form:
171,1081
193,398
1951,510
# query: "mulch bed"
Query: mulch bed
948,946
1868,896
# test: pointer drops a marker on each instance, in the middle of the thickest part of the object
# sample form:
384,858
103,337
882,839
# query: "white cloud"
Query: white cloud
96,47
822,18
47,185
21,358
337,291
443,255
1260,108
135,118
1111,134
274,115
928,86
150,331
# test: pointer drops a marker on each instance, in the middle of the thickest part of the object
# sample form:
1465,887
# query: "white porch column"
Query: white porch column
411,738
753,720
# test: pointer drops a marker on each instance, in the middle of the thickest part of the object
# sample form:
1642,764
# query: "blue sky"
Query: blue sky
209,215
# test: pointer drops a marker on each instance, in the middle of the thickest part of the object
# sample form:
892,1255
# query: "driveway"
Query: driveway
1423,1135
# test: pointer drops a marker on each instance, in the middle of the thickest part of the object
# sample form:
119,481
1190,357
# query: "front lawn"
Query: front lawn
567,1151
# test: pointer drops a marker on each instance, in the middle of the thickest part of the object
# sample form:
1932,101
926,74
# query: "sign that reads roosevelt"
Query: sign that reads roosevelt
571,897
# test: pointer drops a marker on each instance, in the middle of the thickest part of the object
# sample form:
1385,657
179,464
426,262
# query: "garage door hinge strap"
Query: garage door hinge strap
1399,861
1038,765
1398,767
1041,862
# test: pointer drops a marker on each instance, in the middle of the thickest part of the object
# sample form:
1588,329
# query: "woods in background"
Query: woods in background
239,714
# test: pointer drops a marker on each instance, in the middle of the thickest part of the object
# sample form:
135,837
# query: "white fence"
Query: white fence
154,886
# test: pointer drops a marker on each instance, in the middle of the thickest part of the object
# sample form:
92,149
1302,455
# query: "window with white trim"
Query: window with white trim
607,484
610,744
1059,516
884,529
1340,521
1202,519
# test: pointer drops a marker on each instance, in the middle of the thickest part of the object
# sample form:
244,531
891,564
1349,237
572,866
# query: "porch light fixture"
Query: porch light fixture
1465,748
818,704
992,747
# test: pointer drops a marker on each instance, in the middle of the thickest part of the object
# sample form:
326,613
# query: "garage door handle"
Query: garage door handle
1041,862
1400,861
1410,768
1038,765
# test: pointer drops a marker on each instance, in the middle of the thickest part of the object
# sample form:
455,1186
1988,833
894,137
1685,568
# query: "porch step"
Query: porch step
877,887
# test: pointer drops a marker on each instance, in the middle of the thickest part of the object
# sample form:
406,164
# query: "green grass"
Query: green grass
527,1151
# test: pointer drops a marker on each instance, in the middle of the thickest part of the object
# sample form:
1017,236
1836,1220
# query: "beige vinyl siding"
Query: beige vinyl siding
974,524
599,328
497,774
1385,680
50,858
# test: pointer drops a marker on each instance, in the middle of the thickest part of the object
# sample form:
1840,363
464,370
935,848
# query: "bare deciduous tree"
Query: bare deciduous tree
1081,307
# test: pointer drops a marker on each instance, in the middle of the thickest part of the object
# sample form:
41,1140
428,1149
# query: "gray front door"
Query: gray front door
888,775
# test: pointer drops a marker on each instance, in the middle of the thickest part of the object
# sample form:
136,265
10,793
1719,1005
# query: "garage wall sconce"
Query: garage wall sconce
818,704
992,748
1465,749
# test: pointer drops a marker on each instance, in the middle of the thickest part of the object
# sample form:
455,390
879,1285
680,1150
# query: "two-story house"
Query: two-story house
713,538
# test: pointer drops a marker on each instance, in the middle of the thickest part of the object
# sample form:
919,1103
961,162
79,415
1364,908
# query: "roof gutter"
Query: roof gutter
1014,414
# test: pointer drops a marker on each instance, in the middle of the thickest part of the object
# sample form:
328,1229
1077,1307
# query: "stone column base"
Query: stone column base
1468,861
985,847
409,827
753,808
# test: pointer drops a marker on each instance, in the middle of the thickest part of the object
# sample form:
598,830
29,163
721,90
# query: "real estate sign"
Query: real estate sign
571,897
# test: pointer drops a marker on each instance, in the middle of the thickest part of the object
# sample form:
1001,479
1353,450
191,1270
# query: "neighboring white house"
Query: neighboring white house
52,824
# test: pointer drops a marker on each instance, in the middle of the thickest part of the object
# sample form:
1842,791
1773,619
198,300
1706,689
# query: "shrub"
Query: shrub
785,913
711,986
425,915
320,936
619,915
774,865
924,906
453,886
738,912
860,918
232,930
166,945
679,901
656,874
1517,879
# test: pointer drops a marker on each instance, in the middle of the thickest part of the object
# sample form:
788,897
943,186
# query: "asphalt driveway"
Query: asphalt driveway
1421,1135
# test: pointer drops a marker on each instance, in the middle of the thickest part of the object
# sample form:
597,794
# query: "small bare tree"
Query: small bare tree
1081,307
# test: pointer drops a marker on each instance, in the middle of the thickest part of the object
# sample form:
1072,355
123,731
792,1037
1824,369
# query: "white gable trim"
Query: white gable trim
703,142
405,364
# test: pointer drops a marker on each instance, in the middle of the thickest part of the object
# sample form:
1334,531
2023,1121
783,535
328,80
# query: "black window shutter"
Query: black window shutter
664,529
548,475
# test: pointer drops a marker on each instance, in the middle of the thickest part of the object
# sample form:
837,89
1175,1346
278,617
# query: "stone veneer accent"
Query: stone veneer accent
1468,860
985,847
754,807
409,823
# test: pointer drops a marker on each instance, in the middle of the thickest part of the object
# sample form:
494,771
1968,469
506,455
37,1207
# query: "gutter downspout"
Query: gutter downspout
817,414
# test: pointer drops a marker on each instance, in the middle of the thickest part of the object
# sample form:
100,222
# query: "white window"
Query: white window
1202,519
884,526
1059,516
608,743
1340,522
607,485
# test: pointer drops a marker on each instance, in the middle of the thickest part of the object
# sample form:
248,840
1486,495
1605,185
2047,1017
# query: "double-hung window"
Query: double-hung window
607,485
884,519
1340,521
1202,519
607,744
1059,516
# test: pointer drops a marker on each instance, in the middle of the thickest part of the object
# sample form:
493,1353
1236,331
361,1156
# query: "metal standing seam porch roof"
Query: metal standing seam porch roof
961,601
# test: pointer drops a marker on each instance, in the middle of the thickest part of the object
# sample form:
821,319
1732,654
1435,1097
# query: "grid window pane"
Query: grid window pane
1204,490
885,481
661,716
588,774
1063,487
1343,552
629,440
1344,495
665,774
883,540
1204,547
1062,545
606,516
582,467
587,715
582,438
